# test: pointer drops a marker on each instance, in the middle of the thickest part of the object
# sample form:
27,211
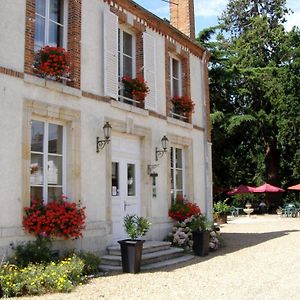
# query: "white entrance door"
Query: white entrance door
125,182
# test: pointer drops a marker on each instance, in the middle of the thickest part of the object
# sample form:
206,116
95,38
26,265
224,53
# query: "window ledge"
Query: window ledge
129,107
179,123
52,85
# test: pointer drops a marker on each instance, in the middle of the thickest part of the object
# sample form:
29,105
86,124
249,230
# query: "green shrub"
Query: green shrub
91,262
39,278
38,251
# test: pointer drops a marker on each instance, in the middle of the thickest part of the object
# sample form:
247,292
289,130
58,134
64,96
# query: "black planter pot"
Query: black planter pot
131,252
201,242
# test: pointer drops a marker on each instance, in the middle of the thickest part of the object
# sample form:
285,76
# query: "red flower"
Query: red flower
137,87
59,218
52,61
183,105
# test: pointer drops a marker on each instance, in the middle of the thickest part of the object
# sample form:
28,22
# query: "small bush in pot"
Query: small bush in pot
221,210
131,249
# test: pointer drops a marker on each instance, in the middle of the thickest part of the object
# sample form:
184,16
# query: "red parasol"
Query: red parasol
241,189
295,187
267,188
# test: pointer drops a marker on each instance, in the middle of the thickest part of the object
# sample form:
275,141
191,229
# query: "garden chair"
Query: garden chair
234,211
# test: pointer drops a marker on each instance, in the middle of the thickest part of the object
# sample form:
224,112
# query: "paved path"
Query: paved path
261,260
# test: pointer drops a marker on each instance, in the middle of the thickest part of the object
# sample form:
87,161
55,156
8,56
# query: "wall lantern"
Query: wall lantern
164,143
107,132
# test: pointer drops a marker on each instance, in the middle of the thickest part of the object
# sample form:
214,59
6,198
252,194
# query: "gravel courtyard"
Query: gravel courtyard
260,260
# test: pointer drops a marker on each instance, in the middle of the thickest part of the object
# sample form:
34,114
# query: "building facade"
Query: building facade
49,129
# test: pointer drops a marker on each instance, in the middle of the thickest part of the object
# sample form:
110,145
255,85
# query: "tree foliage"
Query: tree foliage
255,96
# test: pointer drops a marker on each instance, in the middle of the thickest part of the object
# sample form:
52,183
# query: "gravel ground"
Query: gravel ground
260,260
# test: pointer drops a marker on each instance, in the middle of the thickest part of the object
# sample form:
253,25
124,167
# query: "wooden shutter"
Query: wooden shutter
150,70
110,28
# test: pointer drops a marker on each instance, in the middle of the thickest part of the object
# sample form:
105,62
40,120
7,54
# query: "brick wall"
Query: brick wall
182,16
74,37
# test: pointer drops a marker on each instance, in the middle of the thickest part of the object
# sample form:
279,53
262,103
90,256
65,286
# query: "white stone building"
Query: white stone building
48,129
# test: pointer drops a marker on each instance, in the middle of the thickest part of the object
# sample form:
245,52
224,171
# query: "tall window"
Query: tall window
50,20
47,163
177,172
175,74
126,56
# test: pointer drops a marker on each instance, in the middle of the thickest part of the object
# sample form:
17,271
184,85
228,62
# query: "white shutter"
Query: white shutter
150,70
110,28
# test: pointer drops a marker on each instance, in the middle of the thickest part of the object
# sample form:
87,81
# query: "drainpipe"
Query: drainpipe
207,144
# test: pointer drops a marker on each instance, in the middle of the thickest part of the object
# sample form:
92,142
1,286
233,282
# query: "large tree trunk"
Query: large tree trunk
272,161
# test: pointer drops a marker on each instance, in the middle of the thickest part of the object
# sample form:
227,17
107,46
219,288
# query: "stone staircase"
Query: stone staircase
156,254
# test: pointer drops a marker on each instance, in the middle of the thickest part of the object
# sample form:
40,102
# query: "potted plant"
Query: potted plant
201,228
52,62
221,210
183,106
135,88
131,249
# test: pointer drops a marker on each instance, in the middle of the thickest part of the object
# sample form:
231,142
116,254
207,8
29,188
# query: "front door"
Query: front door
125,182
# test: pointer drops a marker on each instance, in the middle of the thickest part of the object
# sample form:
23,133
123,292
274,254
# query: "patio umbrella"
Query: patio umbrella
241,189
295,187
267,188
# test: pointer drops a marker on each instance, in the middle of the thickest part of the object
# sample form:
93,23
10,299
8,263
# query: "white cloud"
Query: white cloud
210,8
292,20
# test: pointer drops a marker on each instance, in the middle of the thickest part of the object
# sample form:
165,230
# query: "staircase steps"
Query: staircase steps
156,254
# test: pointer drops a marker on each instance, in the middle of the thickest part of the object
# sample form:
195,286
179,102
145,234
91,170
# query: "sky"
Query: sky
208,11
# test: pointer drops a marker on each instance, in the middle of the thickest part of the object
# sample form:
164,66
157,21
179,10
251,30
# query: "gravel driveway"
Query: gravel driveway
260,260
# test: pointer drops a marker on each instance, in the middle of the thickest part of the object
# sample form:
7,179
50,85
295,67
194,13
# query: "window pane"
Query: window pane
37,136
39,34
115,179
55,139
127,66
40,7
119,38
54,193
127,43
178,158
56,11
54,171
175,67
179,183
131,180
36,193
175,87
36,169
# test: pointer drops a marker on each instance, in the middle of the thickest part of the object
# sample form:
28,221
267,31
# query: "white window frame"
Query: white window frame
172,76
173,170
45,154
121,53
47,24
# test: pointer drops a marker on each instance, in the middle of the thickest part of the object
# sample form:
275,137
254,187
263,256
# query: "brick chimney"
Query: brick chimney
182,16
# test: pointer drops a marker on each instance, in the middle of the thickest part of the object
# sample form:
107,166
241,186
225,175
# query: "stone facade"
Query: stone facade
82,106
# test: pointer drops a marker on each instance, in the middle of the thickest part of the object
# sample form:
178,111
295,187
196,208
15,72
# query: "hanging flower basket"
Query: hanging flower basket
135,88
53,63
183,106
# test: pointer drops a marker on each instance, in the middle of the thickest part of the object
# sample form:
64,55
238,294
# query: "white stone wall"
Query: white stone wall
94,168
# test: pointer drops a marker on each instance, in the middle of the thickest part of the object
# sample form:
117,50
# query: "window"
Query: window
126,57
175,74
47,161
177,172
50,20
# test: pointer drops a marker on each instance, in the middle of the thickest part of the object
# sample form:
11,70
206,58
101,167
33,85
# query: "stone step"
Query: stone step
148,246
161,264
147,258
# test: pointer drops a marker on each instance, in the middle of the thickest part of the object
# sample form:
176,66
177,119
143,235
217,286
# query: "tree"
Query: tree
254,86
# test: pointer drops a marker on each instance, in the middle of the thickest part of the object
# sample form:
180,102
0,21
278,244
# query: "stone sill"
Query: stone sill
130,108
52,85
179,123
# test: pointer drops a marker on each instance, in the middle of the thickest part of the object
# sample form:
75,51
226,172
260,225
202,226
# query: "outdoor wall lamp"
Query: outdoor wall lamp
164,143
107,132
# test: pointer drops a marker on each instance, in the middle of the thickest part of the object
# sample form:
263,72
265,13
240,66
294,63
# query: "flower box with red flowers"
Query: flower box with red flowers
60,218
135,88
183,105
52,63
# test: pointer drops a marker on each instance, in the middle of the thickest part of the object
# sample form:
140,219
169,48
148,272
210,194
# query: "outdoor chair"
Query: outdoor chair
234,211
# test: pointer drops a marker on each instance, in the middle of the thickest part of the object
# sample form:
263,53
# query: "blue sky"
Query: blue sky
207,11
